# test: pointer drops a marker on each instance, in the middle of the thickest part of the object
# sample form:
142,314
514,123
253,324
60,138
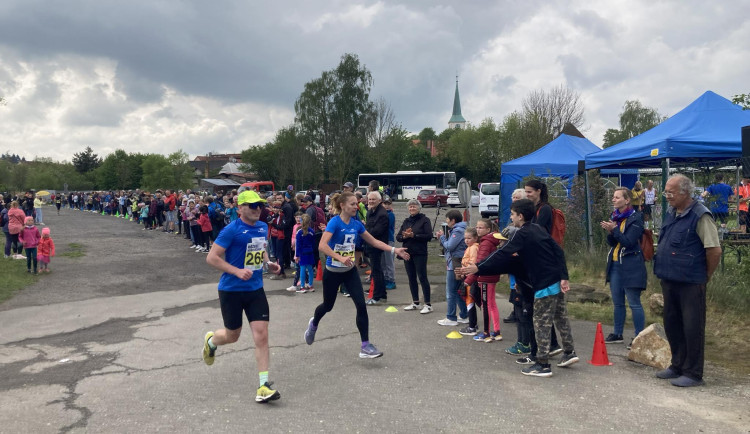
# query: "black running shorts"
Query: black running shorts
233,303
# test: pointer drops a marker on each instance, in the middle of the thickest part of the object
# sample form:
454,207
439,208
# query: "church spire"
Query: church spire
456,120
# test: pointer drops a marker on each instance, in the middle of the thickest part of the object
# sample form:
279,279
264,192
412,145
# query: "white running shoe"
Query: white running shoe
292,288
426,309
193,246
447,322
412,306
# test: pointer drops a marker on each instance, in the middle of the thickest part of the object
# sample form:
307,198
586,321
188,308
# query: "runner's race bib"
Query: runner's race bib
346,250
254,253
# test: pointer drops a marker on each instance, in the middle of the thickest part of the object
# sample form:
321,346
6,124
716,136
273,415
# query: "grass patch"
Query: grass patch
727,298
14,277
74,250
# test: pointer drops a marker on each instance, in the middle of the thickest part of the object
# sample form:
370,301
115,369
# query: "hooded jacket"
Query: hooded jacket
30,237
454,245
487,245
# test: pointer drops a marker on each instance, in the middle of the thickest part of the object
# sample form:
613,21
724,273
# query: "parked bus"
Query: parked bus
406,184
259,186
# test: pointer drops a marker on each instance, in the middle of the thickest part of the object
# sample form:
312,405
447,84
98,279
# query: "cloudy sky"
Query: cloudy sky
221,76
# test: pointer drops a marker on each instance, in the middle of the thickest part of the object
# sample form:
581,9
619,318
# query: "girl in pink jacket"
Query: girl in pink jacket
30,237
46,250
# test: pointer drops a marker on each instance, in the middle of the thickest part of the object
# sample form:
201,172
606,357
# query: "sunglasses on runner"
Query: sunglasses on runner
255,205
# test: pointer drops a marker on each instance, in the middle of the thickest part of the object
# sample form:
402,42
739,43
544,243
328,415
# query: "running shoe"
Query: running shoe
553,351
369,352
538,370
468,331
310,289
528,360
426,309
496,336
265,393
208,353
480,336
568,359
412,306
447,322
310,333
518,349
292,288
302,290
462,320
346,294
613,339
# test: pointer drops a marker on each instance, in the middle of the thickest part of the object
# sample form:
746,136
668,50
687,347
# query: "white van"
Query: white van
489,199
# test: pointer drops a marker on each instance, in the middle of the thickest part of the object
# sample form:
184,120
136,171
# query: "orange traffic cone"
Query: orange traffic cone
319,274
599,355
372,288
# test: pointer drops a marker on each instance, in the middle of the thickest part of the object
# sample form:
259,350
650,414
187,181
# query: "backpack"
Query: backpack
320,216
558,226
647,245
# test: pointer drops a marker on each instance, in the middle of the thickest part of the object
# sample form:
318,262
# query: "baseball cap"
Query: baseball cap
249,196
499,236
348,185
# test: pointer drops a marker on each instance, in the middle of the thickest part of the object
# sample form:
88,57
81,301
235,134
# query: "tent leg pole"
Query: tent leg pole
664,177
589,232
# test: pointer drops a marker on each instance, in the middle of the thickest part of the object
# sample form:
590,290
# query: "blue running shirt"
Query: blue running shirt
343,240
244,246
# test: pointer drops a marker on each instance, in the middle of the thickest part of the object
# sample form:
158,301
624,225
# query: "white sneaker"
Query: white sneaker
426,309
199,249
462,320
292,288
193,246
447,322
412,306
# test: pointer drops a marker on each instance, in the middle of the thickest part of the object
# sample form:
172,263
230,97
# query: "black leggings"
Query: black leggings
416,267
350,279
16,245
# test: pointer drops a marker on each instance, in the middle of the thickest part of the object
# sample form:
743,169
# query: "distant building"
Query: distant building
457,120
219,171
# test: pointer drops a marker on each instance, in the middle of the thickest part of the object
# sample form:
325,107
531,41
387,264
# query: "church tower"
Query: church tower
456,120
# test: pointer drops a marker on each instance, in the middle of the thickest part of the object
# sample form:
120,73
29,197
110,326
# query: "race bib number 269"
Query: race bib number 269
254,253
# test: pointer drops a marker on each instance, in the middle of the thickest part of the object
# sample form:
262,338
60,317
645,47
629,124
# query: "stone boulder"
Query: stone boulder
651,348
656,304
580,293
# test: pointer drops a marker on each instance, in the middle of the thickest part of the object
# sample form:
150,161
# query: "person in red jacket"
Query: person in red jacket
46,250
206,229
487,245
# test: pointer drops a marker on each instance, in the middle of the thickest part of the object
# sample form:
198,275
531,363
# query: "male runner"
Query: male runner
240,252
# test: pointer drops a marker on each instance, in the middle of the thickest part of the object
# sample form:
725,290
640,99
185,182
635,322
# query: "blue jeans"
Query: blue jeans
306,275
618,299
451,296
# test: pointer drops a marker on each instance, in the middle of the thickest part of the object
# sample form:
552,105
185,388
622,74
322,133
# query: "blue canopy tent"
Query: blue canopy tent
559,158
708,130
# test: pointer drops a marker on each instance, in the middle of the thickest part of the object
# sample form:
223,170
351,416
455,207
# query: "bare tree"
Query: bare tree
384,122
555,108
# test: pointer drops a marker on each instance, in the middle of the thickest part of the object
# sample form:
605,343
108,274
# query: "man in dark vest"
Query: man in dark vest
686,257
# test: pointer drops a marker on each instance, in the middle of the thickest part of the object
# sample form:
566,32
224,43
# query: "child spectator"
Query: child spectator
488,243
205,225
46,250
454,245
469,258
295,284
303,254
30,237
144,214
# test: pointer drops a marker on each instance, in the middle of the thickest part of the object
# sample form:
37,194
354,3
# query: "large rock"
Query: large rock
656,304
581,293
651,348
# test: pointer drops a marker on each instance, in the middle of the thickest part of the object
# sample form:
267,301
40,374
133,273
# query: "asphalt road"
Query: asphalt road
110,342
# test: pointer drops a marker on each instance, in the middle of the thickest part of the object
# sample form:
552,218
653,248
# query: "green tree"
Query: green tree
742,99
389,154
86,161
335,117
285,160
182,172
634,119
120,170
157,172
427,134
